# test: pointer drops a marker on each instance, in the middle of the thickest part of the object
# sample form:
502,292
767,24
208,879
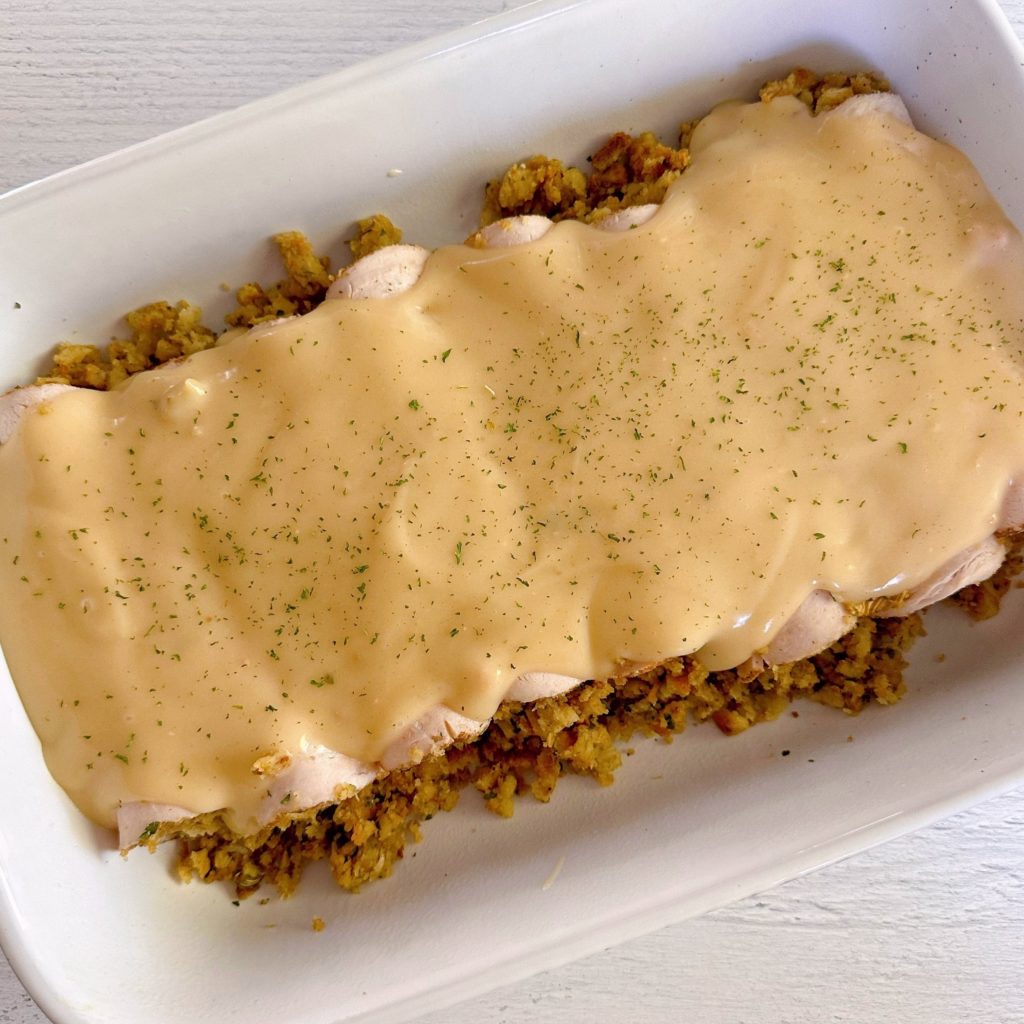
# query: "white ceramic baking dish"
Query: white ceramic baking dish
685,828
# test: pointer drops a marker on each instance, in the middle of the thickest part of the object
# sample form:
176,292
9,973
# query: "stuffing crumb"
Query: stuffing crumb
302,289
373,233
160,332
527,748
823,92
318,924
625,171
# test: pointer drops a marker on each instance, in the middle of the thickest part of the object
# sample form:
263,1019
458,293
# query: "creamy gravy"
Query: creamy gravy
804,372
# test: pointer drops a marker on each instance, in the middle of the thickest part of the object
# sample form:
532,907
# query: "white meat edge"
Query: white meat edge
14,405
386,272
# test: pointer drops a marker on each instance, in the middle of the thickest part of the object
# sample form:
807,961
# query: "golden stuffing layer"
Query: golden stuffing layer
528,747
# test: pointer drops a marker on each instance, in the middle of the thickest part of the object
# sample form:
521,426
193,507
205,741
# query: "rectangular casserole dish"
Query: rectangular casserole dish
175,216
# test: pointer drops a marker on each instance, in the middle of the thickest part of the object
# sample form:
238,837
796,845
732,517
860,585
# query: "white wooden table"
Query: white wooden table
928,929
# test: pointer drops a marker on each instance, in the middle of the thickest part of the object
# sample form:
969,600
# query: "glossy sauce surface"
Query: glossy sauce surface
804,372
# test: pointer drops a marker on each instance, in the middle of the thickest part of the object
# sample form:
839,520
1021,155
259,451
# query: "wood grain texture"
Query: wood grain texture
928,929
